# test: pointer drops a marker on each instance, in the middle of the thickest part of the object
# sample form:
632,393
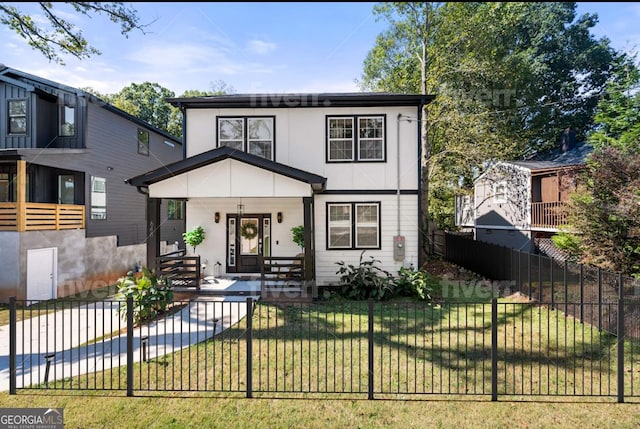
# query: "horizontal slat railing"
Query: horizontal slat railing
182,271
282,268
8,217
42,216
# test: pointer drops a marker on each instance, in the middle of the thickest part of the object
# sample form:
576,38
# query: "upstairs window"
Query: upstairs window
67,121
500,192
143,142
17,117
254,135
356,138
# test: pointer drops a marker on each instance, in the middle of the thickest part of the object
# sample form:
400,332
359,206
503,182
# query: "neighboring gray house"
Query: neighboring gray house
68,221
518,203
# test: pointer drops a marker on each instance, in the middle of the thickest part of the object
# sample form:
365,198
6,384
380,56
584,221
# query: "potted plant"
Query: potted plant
194,237
298,237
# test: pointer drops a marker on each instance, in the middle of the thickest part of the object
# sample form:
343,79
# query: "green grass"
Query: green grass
91,410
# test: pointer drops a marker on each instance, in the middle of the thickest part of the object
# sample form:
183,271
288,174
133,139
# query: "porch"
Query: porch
35,197
280,278
548,214
41,216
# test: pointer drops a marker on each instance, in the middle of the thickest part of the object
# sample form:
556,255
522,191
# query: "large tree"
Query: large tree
147,101
57,35
604,214
508,78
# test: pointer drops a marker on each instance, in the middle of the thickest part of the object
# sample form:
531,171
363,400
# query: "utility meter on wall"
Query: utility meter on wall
398,248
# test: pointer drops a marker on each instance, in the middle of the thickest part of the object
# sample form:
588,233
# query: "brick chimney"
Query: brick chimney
568,139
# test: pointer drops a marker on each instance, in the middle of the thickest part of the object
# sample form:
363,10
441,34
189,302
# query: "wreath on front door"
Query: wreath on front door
249,230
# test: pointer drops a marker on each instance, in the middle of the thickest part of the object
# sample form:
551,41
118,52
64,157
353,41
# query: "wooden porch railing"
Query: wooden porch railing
182,270
548,215
282,268
41,216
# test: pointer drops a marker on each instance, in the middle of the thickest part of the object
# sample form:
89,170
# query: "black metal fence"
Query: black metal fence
367,349
584,292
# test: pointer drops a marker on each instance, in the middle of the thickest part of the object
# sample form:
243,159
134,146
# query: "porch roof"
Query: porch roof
213,156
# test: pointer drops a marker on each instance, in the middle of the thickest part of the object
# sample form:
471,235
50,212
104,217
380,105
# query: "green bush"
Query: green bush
151,294
298,235
364,281
418,284
194,237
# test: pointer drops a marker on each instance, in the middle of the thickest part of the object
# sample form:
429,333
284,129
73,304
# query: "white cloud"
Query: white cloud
260,47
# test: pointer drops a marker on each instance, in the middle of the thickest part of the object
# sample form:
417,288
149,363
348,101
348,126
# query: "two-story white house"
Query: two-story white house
345,166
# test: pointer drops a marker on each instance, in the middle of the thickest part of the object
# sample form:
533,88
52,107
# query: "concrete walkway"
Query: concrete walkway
92,337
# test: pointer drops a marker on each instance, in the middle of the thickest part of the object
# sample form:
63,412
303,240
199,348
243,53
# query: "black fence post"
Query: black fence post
13,335
519,270
581,293
370,313
599,299
249,347
565,282
621,335
494,349
539,277
130,346
529,275
553,286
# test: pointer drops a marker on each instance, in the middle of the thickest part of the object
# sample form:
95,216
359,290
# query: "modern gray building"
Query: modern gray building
68,221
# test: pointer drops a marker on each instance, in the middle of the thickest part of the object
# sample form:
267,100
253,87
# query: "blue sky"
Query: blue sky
252,47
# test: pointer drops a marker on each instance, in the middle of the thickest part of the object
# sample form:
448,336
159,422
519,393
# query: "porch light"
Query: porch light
216,217
240,209
279,217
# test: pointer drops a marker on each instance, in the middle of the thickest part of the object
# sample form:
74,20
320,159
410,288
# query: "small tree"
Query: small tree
298,235
194,237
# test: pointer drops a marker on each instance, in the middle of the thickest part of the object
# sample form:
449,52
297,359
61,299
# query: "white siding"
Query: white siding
300,141
515,212
326,259
229,178
201,211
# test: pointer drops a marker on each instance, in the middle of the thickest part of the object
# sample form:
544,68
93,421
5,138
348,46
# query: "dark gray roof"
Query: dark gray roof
556,158
49,87
215,155
352,99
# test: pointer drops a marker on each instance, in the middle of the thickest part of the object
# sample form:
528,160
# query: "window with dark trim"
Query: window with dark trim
251,134
353,225
17,117
143,142
175,210
67,123
356,138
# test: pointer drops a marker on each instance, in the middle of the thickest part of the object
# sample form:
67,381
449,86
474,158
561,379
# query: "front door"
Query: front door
249,237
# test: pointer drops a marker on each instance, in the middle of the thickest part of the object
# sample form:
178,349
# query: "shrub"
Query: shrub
151,294
298,235
194,237
418,284
366,280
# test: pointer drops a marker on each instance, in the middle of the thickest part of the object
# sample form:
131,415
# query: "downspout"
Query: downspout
398,171
184,130
420,237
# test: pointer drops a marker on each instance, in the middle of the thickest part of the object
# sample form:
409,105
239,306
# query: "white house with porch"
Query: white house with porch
345,166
